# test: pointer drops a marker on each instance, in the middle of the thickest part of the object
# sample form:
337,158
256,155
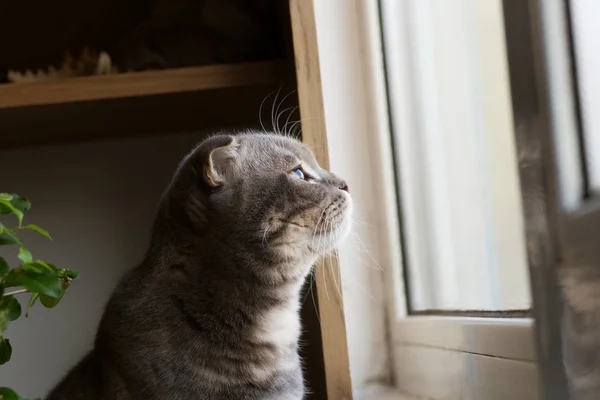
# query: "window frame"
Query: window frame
439,356
564,255
454,205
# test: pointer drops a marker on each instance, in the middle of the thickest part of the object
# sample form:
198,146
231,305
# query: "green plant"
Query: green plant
41,280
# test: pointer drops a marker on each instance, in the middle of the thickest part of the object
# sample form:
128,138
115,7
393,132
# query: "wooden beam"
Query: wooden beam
330,302
138,84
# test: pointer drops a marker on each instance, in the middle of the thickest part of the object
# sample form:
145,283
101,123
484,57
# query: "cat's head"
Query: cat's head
264,194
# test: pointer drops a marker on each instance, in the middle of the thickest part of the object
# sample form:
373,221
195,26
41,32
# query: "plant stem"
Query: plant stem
15,292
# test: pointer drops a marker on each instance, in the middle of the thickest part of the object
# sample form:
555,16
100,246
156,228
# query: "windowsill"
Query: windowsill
458,357
381,392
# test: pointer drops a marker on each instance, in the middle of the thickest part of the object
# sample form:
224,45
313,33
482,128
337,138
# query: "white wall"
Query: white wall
355,109
98,201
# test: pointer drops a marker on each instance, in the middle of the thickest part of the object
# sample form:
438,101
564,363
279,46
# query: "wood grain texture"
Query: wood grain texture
330,302
142,84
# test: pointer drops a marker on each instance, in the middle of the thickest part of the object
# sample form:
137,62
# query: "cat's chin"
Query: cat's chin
328,241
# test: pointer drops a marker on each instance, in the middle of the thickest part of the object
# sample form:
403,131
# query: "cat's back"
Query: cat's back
84,382
95,376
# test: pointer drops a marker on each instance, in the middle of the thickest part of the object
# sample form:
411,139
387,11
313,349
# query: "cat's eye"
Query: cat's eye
299,173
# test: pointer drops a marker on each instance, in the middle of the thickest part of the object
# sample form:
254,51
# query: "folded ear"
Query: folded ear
218,154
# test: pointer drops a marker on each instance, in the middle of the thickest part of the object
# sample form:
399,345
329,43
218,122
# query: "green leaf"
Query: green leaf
47,266
38,230
6,207
70,273
16,201
3,267
20,203
9,232
49,302
3,322
32,299
11,307
40,266
11,203
31,278
25,255
4,241
5,353
8,394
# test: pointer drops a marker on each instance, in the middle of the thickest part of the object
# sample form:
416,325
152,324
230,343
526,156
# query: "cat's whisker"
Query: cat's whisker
352,281
281,114
324,238
338,285
312,295
260,114
332,266
287,121
265,240
274,126
275,111
309,285
364,247
296,129
334,262
360,222
364,263
334,269
315,231
337,258
324,272
323,260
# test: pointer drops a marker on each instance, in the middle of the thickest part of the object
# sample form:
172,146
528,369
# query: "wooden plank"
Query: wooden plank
137,84
331,308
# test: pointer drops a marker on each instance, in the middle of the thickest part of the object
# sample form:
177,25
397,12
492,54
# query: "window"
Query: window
463,238
585,29
485,111
496,146
455,155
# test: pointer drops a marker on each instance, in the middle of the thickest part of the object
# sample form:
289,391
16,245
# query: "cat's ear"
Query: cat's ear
220,153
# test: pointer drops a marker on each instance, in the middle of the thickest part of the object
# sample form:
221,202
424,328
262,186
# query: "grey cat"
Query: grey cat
212,311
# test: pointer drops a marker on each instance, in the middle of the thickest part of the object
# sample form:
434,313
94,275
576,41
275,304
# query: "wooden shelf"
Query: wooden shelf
142,84
141,104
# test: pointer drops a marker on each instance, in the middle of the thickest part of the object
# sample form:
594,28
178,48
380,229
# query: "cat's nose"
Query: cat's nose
344,186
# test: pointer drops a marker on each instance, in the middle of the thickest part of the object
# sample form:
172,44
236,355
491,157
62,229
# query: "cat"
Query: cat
212,311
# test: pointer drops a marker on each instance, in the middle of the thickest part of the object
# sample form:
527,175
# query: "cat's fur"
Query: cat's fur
212,311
